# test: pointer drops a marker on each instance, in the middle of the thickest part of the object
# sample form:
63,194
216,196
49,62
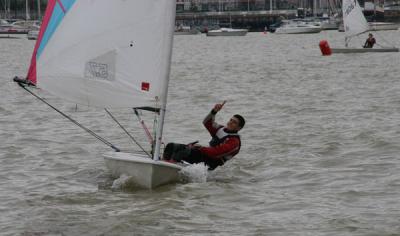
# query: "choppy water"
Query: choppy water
320,154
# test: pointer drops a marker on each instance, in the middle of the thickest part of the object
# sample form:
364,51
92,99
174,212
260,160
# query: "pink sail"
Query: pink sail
32,69
55,11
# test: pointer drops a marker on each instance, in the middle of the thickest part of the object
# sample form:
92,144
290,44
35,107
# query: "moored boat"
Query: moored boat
186,30
375,26
298,27
227,32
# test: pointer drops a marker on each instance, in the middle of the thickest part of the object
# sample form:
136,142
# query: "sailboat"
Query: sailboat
355,24
118,61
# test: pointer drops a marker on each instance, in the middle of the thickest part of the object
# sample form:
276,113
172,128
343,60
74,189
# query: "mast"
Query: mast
39,13
374,11
27,16
6,9
8,3
168,44
315,8
270,6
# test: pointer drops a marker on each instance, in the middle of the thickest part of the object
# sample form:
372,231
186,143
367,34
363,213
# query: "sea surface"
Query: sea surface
320,150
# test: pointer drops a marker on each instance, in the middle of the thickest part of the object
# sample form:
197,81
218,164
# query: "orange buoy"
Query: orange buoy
325,49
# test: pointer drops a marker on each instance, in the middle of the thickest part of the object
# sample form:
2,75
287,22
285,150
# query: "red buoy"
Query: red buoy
325,49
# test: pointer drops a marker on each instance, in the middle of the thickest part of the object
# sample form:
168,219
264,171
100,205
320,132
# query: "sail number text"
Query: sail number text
97,70
349,9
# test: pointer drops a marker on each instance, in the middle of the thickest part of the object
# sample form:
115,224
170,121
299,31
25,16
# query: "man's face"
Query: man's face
233,124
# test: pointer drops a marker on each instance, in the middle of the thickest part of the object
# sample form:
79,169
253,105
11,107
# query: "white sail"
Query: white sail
353,18
108,53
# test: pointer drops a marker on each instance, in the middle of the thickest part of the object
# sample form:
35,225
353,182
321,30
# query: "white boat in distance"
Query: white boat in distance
127,67
361,50
227,32
375,26
354,24
297,27
6,28
185,30
329,23
33,34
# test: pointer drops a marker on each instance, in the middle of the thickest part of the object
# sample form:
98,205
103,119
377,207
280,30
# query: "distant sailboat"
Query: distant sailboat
119,61
355,24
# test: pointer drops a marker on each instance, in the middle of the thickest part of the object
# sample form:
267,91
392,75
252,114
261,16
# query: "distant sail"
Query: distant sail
105,53
353,18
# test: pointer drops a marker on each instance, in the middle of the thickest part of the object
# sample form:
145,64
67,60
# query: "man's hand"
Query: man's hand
218,106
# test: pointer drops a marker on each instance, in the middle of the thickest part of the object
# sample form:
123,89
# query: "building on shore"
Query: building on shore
247,5
253,13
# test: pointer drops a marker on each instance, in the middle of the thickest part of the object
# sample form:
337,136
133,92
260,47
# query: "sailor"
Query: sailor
224,145
369,43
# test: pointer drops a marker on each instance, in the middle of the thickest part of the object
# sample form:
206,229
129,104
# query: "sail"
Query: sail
105,53
353,18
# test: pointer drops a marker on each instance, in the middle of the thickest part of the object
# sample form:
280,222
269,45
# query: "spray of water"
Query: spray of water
195,173
120,182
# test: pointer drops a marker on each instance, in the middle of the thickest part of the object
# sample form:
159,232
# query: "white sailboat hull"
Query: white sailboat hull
227,32
362,50
375,26
298,30
329,26
142,170
187,32
33,34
